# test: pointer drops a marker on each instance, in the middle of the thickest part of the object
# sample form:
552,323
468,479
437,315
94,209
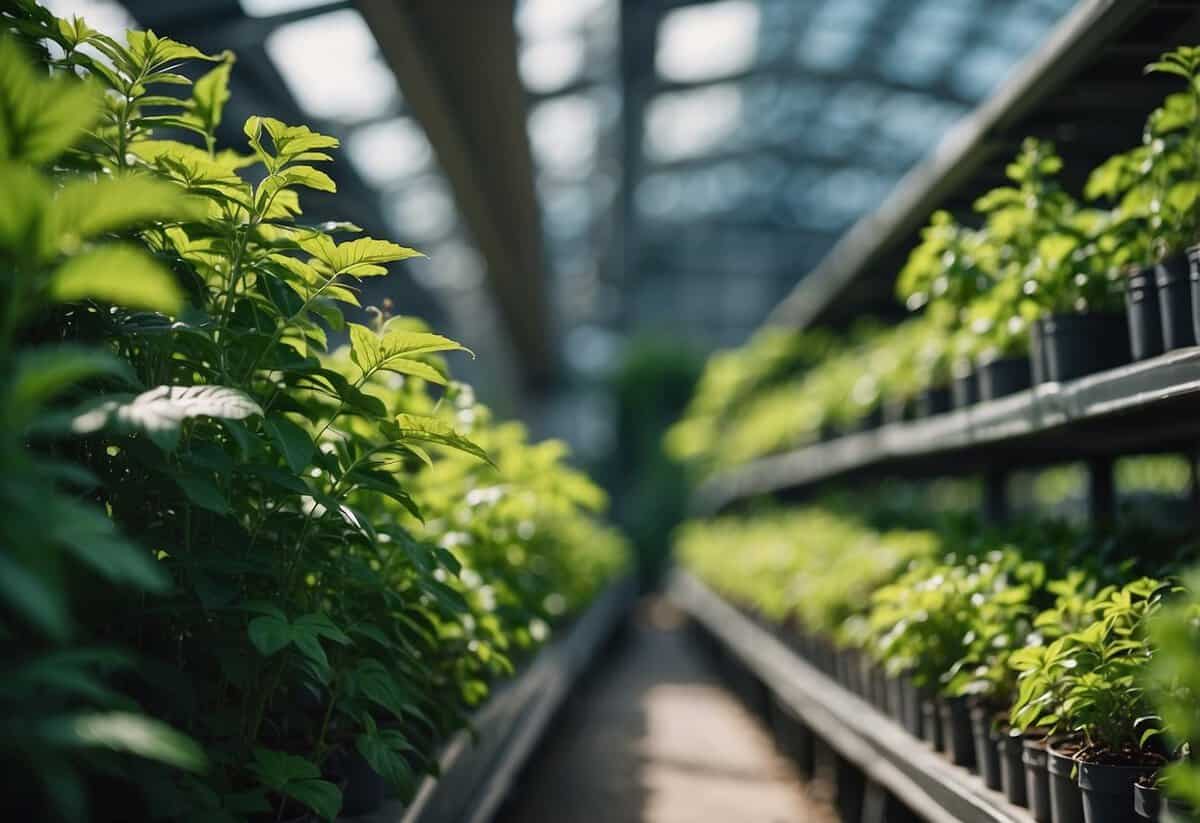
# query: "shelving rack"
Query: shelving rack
1085,91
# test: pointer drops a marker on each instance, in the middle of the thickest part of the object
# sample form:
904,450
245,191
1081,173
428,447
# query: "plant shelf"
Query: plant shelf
478,770
1147,406
923,780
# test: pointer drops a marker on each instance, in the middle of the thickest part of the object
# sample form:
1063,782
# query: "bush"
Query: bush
233,557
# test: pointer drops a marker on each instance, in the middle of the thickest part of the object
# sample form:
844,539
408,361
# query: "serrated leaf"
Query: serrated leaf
434,430
161,411
119,274
43,116
386,761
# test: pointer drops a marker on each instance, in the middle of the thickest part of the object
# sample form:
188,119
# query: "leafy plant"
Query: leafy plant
1174,683
233,547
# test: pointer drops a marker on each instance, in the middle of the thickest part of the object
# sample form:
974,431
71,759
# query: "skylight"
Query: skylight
389,151
331,64
707,41
688,124
269,8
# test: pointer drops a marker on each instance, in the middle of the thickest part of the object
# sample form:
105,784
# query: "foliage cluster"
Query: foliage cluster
235,555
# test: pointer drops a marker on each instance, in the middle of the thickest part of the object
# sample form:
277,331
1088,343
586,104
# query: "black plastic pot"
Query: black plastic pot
1108,791
1012,769
1147,802
1145,319
365,789
931,724
911,696
1034,758
895,698
933,401
1193,255
1077,345
956,729
1175,302
1039,368
1066,801
964,390
1002,377
987,758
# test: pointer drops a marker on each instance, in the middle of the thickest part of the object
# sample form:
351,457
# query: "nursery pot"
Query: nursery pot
1039,368
964,390
987,757
956,729
934,401
911,696
1175,302
1108,791
1003,376
1034,756
1147,802
1077,345
1066,802
931,724
1145,319
1012,769
1193,255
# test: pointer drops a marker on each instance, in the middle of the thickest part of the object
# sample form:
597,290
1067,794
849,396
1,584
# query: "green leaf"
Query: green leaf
160,412
321,796
291,440
24,194
36,601
135,734
373,679
434,430
269,634
320,624
119,274
43,373
358,258
203,492
277,769
85,208
210,94
377,749
40,117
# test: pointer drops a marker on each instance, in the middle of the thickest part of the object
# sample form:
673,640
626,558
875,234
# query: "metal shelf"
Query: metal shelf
1142,407
477,770
889,756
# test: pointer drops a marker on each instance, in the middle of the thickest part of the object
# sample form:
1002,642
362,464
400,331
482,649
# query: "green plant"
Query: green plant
1088,681
256,540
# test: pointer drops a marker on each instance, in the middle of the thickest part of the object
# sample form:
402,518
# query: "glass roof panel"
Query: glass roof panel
707,41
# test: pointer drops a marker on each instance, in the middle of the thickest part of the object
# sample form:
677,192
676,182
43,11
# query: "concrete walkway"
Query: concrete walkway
654,738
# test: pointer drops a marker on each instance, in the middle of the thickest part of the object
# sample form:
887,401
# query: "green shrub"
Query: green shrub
232,556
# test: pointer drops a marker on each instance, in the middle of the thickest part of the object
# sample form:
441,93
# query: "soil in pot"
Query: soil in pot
931,724
1003,376
1081,344
1147,801
956,729
1039,367
987,756
1145,319
1066,801
1012,767
933,401
964,390
1175,302
1035,757
1107,782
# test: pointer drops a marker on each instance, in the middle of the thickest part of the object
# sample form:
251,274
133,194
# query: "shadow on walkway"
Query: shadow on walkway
653,737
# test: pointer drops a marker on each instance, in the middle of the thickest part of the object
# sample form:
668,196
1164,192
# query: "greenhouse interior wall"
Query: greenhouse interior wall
604,411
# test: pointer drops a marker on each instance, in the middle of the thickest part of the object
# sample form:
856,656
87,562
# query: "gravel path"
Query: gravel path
654,738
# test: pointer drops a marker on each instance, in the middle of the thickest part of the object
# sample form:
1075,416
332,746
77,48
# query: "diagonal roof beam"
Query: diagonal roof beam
456,65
